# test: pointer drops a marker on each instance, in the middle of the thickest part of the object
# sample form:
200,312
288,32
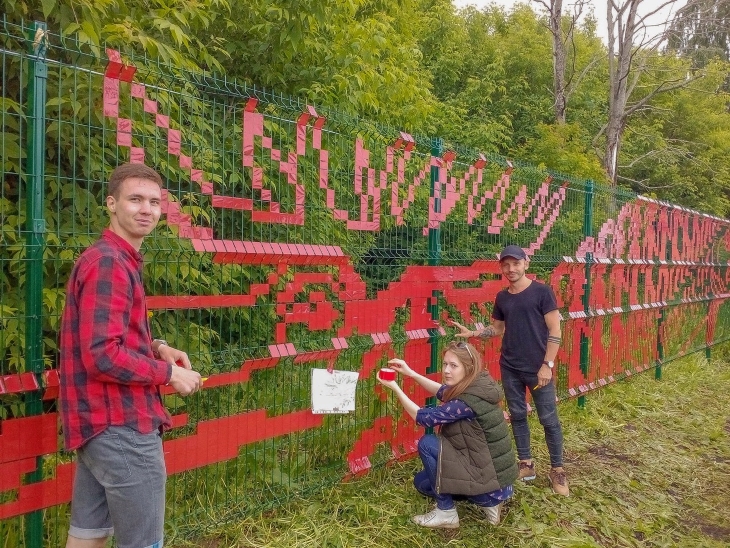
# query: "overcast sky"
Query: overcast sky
599,9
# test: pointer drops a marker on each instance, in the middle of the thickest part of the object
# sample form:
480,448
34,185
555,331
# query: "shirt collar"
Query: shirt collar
120,242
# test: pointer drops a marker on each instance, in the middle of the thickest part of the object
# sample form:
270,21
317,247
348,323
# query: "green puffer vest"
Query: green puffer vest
476,456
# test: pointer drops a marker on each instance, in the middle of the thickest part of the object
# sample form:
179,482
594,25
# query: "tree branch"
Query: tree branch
664,86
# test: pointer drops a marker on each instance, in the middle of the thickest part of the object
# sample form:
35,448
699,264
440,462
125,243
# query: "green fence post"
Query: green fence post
587,232
708,343
434,234
434,258
659,346
34,245
662,314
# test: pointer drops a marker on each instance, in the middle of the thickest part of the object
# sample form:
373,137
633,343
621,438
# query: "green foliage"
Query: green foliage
359,57
469,76
176,32
564,148
700,31
678,149
491,74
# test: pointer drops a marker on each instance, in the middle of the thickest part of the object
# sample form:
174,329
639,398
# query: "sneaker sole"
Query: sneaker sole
443,526
529,478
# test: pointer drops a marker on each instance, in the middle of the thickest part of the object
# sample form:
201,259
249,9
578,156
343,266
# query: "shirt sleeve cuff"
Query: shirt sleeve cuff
168,375
422,414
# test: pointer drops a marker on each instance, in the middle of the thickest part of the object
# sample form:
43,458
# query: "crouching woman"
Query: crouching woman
471,457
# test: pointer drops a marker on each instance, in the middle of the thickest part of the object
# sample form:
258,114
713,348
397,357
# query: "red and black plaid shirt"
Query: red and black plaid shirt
108,374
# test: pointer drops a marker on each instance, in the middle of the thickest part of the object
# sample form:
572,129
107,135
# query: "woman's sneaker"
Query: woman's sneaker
493,513
438,519
527,470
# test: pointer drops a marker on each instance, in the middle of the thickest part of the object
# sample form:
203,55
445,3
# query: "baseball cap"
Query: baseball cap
514,251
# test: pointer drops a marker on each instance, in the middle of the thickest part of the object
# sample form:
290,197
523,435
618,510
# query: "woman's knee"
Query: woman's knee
422,483
428,444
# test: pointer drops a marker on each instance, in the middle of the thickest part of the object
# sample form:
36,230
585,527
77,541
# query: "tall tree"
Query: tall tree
562,28
678,150
701,30
460,52
632,44
490,73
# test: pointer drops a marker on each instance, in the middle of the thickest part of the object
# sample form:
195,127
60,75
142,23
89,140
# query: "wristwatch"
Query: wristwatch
156,344
550,364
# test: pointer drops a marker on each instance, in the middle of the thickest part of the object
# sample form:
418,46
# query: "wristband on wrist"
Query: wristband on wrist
156,344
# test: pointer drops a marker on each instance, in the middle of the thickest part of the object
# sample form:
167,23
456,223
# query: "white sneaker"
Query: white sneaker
493,513
444,519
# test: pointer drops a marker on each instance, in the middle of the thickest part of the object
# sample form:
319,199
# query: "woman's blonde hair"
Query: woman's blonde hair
472,362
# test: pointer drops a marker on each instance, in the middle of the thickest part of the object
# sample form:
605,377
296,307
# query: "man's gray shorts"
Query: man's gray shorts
119,489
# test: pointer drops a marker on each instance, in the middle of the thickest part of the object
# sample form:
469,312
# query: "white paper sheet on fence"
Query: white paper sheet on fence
333,392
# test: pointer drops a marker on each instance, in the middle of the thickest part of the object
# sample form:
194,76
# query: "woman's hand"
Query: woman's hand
408,405
463,331
388,384
401,367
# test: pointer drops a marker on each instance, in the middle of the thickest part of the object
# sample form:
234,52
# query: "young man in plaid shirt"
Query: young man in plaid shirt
111,371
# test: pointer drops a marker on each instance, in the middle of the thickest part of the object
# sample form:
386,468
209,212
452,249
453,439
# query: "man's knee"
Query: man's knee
549,418
518,416
74,542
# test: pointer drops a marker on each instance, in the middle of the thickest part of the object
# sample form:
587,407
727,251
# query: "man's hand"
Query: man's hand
185,381
463,331
173,356
544,376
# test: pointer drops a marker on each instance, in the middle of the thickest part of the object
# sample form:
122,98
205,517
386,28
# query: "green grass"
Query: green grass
648,463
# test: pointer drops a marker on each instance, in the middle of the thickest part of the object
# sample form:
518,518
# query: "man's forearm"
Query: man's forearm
487,333
551,351
553,344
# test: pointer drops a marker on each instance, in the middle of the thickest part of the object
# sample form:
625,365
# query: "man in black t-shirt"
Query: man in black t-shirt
526,314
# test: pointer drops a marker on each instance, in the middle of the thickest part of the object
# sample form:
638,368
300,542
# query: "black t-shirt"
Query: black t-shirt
525,331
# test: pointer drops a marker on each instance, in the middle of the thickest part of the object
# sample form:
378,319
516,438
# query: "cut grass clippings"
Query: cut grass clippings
648,463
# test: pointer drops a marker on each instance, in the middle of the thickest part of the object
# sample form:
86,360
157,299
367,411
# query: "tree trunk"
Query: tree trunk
559,60
630,41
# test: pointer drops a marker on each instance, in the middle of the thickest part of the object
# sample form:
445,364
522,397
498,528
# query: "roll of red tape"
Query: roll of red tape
387,374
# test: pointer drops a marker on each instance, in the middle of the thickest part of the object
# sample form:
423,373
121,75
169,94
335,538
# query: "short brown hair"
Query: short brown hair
127,171
472,362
